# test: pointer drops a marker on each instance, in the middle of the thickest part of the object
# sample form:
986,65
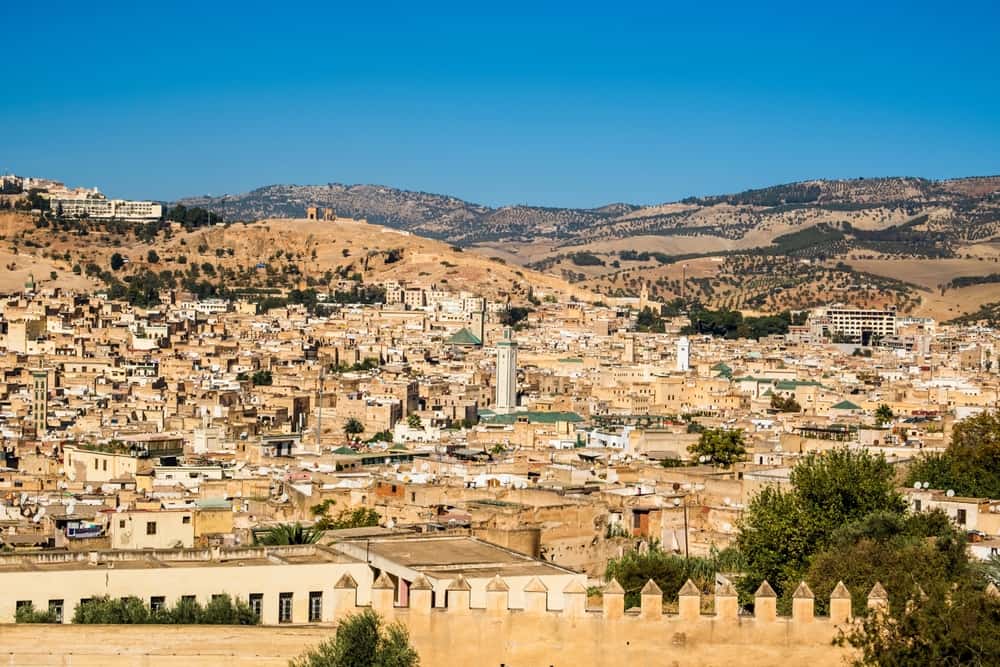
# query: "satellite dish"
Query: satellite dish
927,485
727,501
950,493
916,485
677,502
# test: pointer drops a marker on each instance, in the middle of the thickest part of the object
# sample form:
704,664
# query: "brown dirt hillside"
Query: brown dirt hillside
292,251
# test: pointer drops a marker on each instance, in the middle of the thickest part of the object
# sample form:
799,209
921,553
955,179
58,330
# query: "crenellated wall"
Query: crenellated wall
494,636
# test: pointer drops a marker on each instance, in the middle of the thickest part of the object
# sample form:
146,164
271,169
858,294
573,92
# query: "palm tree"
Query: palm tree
287,533
352,427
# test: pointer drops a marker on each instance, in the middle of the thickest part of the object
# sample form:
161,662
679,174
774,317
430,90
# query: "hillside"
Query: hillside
923,246
277,254
965,209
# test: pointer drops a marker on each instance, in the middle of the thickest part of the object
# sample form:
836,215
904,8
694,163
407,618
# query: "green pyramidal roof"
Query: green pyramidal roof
463,337
846,405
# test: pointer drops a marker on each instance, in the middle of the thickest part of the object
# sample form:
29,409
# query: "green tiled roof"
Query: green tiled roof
532,417
845,405
463,337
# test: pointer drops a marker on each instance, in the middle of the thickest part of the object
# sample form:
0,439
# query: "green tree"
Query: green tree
785,403
780,530
353,427
413,421
883,414
721,446
948,625
899,551
152,256
117,261
362,640
287,533
971,464
262,378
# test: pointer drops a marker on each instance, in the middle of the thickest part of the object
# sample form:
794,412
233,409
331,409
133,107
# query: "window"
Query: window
56,607
916,505
316,606
20,604
105,465
960,517
157,602
97,464
256,603
186,519
188,599
151,528
284,608
121,523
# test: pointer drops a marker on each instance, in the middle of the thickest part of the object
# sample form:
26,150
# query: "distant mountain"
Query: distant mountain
964,209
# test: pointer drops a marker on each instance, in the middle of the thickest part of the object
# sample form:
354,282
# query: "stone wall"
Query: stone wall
493,636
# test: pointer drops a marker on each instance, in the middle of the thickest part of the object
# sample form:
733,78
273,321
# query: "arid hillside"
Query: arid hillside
281,254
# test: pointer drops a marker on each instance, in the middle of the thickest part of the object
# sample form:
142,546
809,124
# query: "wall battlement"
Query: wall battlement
494,635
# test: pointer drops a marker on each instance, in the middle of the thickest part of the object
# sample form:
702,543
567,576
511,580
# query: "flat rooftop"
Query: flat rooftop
449,556
150,559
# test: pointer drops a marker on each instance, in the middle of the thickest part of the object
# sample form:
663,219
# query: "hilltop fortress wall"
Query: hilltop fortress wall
492,636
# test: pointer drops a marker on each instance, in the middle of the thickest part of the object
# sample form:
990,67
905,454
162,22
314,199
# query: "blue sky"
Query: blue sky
547,103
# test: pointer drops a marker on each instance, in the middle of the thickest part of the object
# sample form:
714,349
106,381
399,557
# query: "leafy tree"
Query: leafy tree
949,625
514,315
721,446
669,571
785,403
152,256
262,378
883,414
413,421
781,529
117,261
971,464
287,533
901,552
362,640
648,321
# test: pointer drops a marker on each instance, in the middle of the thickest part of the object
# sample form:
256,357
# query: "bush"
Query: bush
28,614
221,610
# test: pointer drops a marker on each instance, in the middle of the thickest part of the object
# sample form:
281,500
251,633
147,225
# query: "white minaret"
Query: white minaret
683,354
506,373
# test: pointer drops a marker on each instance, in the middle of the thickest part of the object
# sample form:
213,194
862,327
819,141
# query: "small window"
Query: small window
257,604
105,466
188,599
284,608
315,606
151,528
121,523
960,517
916,505
20,604
413,497
157,602
56,607
186,519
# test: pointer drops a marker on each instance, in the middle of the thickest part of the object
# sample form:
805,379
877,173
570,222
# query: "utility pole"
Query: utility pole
319,411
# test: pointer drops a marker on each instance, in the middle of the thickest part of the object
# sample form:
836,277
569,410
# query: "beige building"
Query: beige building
292,584
152,529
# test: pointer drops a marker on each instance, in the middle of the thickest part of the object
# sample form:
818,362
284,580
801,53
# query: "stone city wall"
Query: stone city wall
492,636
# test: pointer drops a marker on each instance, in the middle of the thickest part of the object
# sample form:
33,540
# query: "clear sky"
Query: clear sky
572,104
